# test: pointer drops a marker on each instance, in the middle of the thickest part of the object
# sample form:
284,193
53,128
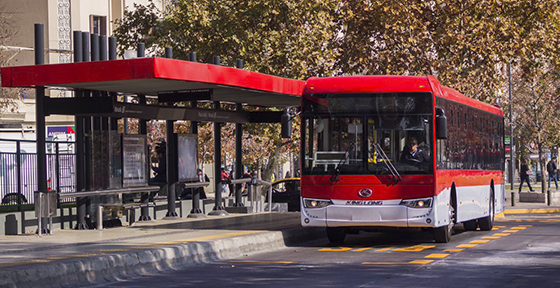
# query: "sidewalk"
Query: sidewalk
71,258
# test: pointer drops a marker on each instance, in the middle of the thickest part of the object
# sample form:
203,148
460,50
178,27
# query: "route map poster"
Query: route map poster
135,168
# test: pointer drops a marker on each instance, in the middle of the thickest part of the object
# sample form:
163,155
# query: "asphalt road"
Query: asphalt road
522,251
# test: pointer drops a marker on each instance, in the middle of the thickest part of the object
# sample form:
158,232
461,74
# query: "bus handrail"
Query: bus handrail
388,163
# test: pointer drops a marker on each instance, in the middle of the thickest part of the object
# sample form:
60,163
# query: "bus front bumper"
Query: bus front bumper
367,216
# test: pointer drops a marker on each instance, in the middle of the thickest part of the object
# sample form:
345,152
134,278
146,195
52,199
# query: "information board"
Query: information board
135,168
187,152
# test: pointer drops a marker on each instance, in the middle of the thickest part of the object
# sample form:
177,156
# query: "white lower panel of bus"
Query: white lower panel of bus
473,201
364,216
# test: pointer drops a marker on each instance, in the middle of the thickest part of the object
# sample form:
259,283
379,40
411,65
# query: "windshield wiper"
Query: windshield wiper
387,162
336,172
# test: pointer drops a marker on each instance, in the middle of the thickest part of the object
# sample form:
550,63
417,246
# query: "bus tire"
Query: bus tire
470,225
443,234
487,223
336,235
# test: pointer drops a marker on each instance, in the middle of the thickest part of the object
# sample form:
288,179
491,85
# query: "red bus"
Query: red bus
401,152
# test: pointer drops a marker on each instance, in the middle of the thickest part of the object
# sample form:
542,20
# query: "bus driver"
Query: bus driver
412,154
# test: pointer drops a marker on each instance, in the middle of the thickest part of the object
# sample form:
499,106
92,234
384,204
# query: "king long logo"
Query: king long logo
364,193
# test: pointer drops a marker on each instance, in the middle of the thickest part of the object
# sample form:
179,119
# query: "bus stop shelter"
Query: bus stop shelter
97,79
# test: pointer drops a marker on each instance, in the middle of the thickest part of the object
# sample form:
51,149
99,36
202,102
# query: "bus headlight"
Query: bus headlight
417,203
316,203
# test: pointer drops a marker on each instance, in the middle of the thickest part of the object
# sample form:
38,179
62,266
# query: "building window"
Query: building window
98,25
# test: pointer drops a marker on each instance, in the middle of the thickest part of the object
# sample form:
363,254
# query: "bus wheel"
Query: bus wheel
487,223
336,235
443,234
470,225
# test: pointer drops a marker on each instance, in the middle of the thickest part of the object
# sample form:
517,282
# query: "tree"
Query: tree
8,97
284,38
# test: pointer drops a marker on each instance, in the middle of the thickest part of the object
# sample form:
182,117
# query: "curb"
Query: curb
133,262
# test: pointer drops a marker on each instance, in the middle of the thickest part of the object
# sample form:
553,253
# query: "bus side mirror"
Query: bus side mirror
441,124
286,124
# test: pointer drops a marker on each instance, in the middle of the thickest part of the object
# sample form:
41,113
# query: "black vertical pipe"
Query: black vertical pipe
143,129
80,148
95,57
238,149
169,52
40,121
218,209
238,157
103,57
85,47
196,212
113,56
102,48
141,52
94,47
87,127
171,160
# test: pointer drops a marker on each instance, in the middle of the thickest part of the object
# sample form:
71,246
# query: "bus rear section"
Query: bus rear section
369,156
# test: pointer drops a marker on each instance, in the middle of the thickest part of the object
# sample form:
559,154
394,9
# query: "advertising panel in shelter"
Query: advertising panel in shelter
187,148
135,171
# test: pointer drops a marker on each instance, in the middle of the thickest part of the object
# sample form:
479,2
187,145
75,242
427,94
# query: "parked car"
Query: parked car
287,190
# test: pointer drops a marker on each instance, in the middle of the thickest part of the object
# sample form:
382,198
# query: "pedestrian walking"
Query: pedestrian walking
524,174
552,170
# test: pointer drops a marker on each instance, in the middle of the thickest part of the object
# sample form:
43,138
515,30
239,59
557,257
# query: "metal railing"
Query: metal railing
18,170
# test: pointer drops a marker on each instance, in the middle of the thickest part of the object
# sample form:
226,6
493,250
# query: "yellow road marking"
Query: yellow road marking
493,229
416,248
479,241
499,226
340,249
384,249
421,262
437,256
536,211
362,250
518,228
453,250
501,234
414,262
262,262
491,237
467,245
510,231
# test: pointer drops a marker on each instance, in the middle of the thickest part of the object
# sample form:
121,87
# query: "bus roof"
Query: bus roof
392,84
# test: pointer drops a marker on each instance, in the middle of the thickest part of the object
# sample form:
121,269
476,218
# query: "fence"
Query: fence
18,170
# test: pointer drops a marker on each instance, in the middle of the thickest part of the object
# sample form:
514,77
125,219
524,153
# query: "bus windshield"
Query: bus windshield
367,133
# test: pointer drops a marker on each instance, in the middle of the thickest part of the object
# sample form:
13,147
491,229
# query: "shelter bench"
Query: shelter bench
129,207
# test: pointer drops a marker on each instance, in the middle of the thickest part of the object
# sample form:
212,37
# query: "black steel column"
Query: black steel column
87,129
141,52
238,150
196,212
103,57
95,57
113,122
238,158
171,160
143,129
40,122
218,209
80,144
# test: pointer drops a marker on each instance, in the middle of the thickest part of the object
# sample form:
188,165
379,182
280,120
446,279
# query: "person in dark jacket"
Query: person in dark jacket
524,175
413,155
552,170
